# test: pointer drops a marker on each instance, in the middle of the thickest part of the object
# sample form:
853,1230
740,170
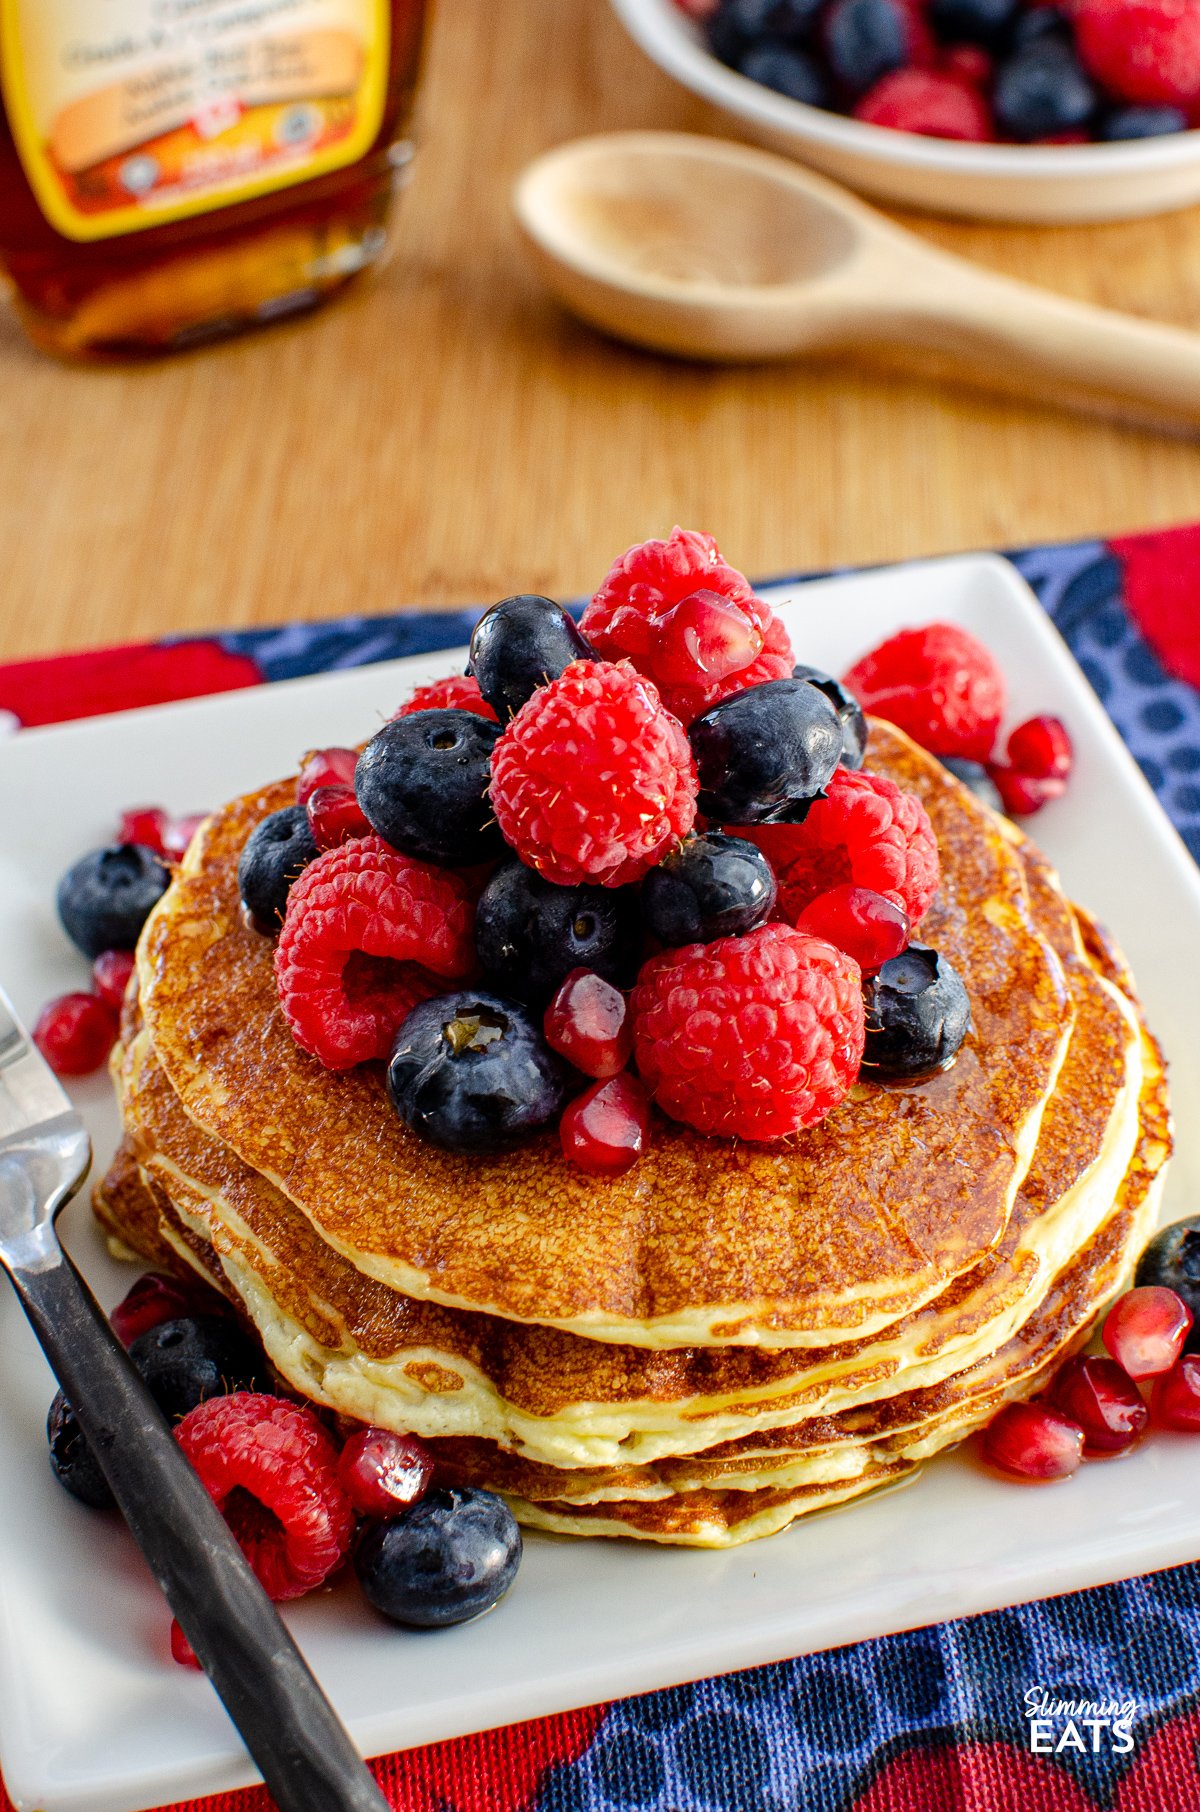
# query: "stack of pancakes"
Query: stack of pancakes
729,1335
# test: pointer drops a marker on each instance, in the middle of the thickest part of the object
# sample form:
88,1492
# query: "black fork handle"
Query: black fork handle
300,1745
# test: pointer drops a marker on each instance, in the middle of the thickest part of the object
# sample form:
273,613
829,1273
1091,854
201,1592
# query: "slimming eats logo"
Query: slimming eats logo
1081,1726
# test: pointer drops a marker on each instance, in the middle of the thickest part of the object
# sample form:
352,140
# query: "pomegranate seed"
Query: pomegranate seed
325,767
1175,1402
1107,1404
604,1129
179,834
1145,1330
143,824
1021,794
588,1023
704,638
181,1649
383,1473
1040,749
863,924
1032,1441
75,1033
110,974
156,1298
969,62
335,816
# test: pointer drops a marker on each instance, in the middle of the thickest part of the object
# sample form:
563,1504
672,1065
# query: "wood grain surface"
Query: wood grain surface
444,434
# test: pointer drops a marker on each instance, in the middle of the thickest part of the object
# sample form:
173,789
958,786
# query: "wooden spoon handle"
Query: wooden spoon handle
1028,340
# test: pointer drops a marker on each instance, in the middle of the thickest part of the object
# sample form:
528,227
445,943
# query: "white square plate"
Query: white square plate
93,1715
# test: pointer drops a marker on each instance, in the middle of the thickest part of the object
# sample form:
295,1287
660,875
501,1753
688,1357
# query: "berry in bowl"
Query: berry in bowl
985,108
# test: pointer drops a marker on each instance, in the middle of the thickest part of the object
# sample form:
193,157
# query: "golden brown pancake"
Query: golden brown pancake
560,1398
850,1226
762,1482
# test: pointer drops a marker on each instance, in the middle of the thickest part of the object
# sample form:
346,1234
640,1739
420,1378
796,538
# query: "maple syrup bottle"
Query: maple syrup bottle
176,170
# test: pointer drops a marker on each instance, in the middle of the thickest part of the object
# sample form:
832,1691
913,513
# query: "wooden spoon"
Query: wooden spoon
712,250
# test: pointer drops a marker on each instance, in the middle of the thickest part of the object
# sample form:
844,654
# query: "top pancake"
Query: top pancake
839,1232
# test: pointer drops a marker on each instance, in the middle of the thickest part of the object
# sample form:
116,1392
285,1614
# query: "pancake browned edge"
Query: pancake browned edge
833,1235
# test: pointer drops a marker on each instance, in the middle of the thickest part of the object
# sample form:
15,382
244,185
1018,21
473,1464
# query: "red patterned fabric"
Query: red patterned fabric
1162,594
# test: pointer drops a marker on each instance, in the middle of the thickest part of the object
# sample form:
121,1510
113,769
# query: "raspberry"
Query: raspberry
271,1468
938,684
865,832
936,104
459,692
628,618
364,925
1143,50
593,780
750,1037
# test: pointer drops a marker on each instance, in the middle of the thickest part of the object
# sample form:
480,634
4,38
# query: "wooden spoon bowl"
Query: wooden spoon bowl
712,250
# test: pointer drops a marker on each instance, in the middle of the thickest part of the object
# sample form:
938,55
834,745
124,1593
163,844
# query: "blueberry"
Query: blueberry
854,722
1173,1259
864,40
1036,24
451,1557
194,1357
276,853
530,933
976,779
918,1014
737,24
787,71
71,1459
107,897
766,753
520,644
973,21
710,887
1143,122
472,1072
1042,90
422,783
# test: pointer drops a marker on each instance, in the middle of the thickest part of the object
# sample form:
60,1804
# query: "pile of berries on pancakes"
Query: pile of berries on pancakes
635,859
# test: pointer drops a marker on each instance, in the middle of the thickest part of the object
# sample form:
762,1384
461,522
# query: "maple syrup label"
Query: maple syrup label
130,113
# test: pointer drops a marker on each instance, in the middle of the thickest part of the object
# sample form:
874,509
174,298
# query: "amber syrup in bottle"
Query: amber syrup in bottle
176,170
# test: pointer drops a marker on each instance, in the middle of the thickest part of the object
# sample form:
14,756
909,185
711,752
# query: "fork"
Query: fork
288,1725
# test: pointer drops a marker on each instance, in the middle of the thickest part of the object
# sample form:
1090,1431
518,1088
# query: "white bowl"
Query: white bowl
996,182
